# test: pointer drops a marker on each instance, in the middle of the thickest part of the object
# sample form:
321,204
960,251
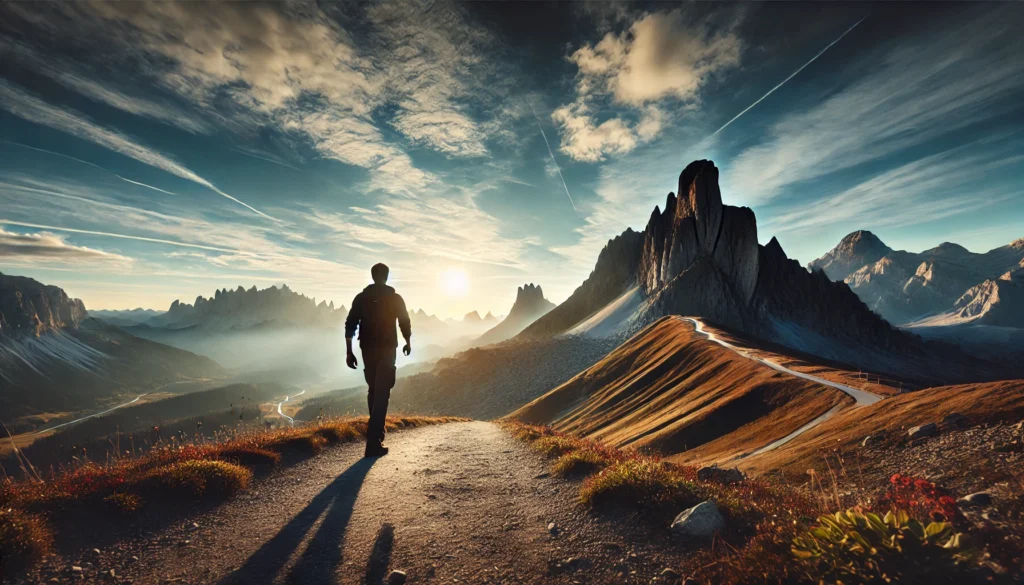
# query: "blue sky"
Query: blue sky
156,151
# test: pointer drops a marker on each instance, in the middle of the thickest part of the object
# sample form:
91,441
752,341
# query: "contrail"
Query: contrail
269,160
94,165
820,53
121,236
553,161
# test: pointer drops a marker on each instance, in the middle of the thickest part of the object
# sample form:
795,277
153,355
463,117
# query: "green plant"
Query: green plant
580,463
863,547
641,483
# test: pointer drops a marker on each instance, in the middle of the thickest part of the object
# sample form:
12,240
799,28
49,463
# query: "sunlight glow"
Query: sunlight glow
454,282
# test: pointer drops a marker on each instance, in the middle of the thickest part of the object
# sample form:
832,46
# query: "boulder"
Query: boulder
700,522
922,431
977,499
720,474
396,578
870,440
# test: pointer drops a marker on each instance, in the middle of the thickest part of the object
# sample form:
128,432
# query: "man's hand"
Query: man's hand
408,348
350,359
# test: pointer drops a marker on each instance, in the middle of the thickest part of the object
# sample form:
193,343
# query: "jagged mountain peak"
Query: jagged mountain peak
472,317
855,250
240,309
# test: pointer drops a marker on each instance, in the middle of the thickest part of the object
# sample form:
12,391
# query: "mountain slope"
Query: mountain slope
54,357
670,389
529,306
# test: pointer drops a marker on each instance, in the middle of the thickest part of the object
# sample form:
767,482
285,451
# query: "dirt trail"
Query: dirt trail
462,502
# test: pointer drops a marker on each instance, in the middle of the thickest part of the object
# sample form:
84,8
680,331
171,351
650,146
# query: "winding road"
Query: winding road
78,420
862,397
286,399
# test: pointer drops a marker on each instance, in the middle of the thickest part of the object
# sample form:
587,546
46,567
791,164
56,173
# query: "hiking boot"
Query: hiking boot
375,451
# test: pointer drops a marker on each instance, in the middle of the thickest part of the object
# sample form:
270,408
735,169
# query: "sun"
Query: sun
454,282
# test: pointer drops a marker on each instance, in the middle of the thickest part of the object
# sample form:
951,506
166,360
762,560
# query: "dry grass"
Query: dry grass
762,518
24,540
174,476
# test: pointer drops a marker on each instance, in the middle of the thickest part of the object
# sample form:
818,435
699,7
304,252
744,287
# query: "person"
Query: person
374,312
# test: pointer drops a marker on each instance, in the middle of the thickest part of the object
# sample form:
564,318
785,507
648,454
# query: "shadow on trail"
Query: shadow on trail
323,554
380,556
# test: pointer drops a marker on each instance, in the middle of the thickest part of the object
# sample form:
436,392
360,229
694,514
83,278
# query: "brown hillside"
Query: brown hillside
890,419
672,390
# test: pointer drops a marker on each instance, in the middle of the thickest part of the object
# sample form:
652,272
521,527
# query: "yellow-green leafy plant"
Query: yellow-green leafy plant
863,547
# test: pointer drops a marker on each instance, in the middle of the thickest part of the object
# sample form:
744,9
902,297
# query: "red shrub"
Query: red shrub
922,498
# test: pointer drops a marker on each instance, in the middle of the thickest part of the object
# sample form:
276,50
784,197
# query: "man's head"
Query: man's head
379,272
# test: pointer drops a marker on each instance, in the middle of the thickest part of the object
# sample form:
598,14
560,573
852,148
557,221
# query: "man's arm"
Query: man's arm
351,323
404,324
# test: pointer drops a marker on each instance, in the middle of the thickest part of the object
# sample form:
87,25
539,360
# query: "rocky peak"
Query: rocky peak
530,301
855,250
696,225
472,317
28,307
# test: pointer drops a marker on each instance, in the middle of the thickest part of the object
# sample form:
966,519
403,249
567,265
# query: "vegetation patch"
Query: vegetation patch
24,540
912,531
190,481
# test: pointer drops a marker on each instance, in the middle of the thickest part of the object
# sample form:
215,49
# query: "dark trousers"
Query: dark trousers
379,371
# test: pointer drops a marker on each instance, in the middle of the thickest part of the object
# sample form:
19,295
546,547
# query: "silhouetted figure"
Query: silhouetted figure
374,312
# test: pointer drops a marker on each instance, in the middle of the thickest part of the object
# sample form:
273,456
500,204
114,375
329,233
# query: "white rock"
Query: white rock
701,521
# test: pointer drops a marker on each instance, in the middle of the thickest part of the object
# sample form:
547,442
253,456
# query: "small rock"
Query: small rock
954,420
553,528
701,521
544,475
396,578
720,475
870,440
76,569
195,526
919,432
96,552
977,499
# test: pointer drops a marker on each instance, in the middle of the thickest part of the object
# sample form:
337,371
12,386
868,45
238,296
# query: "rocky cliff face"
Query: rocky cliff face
614,274
858,249
993,302
28,307
529,306
241,309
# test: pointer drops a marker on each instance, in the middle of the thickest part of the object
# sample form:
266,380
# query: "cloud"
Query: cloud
297,67
920,191
958,77
33,109
46,248
659,59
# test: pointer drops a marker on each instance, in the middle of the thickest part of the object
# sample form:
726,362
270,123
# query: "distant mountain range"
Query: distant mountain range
125,317
241,309
700,257
55,357
947,284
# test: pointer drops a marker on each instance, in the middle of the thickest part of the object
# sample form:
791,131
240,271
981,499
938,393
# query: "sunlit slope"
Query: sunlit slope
670,389
987,402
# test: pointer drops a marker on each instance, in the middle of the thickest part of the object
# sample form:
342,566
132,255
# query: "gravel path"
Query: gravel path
455,503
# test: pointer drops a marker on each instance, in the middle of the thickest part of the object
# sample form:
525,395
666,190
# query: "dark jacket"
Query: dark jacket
374,311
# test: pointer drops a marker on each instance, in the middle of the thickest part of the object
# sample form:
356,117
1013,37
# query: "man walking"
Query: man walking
374,312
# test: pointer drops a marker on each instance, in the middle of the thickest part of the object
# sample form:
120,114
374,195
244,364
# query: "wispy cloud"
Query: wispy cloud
955,78
47,248
33,109
921,191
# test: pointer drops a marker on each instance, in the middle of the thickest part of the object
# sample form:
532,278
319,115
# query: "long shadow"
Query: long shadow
380,556
323,554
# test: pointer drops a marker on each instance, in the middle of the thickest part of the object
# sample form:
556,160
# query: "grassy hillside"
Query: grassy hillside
671,390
